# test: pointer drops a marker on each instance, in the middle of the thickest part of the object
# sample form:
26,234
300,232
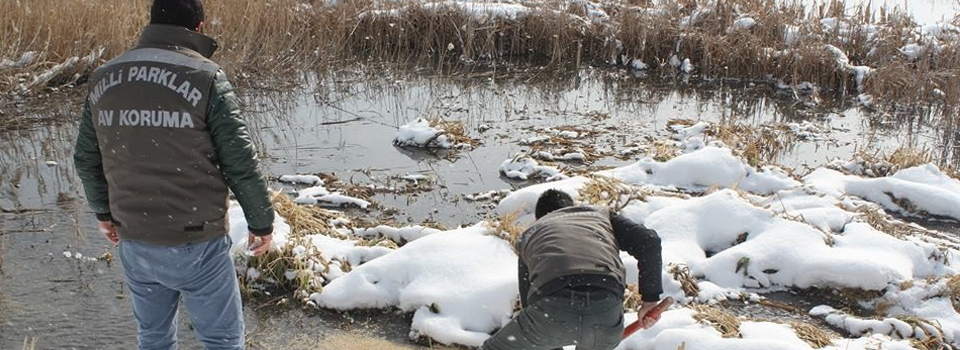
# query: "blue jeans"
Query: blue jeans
593,320
202,274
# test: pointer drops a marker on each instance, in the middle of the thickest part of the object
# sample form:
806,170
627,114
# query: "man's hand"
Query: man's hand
109,231
648,314
259,244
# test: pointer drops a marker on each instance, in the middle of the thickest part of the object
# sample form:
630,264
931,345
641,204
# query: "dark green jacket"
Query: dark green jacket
158,153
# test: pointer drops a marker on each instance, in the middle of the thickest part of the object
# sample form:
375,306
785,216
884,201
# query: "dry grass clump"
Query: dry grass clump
877,218
632,299
812,335
663,151
932,339
287,271
723,321
305,219
508,228
755,144
953,291
682,274
882,165
455,130
609,192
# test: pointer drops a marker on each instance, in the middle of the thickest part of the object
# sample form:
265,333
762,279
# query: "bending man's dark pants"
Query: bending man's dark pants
591,319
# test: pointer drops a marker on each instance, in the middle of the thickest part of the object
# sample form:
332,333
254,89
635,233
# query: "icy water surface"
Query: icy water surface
342,124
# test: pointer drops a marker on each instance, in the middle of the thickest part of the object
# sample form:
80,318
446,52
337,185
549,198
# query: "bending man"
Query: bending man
572,278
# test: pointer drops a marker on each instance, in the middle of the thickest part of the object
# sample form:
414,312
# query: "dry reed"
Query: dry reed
927,341
507,228
455,131
29,343
880,164
632,299
953,291
609,192
755,144
723,321
260,38
304,219
682,274
810,334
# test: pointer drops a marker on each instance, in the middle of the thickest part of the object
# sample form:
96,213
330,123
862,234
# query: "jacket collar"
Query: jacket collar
163,35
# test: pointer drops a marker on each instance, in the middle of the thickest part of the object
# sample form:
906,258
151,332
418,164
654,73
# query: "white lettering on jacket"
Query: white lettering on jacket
147,118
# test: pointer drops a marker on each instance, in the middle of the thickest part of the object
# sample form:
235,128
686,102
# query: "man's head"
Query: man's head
184,13
551,200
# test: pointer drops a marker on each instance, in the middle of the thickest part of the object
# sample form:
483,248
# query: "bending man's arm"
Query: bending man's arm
644,244
238,157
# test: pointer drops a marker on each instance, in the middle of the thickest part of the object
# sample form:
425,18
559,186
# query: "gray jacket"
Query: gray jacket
581,246
161,142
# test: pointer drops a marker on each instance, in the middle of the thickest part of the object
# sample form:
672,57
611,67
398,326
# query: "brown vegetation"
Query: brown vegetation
811,334
270,36
723,321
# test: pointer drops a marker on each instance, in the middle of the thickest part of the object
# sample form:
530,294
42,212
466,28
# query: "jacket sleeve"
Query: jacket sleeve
89,165
238,156
644,244
523,279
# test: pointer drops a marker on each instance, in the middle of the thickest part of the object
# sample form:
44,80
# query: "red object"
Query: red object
654,313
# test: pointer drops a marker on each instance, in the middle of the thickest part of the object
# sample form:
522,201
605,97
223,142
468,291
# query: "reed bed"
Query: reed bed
788,42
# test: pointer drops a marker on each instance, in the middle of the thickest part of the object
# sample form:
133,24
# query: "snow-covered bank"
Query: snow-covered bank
460,285
737,229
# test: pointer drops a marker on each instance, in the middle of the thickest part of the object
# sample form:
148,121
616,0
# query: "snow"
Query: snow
25,59
419,133
239,232
702,169
460,285
686,67
637,64
523,168
922,188
913,51
743,23
302,179
399,235
319,195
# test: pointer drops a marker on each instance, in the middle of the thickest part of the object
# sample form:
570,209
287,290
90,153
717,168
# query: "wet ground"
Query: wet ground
343,124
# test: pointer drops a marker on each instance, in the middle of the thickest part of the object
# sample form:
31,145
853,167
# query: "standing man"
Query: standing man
161,140
572,278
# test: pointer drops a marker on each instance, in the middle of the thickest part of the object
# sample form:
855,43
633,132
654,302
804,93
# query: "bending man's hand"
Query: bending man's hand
645,316
259,244
109,231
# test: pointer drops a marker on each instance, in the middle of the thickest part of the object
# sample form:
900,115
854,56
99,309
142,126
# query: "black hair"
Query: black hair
184,13
551,200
